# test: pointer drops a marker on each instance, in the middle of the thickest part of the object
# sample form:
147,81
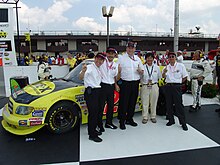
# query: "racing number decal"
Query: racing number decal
40,88
116,99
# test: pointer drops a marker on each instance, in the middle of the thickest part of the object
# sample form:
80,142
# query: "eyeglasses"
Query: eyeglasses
172,56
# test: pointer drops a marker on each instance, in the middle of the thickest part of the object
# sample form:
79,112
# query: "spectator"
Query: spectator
179,56
43,69
71,62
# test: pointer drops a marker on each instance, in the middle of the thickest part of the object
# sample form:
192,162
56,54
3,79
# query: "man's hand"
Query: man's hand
140,71
117,88
84,68
83,71
164,72
119,68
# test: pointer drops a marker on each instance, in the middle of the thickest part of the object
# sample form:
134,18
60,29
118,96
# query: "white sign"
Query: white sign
7,45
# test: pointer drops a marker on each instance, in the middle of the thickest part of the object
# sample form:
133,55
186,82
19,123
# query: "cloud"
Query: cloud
141,15
51,17
86,23
201,5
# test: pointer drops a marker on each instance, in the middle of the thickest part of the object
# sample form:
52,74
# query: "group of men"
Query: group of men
101,79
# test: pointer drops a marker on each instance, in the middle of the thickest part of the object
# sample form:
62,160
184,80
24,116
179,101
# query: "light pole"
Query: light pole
176,27
104,13
18,36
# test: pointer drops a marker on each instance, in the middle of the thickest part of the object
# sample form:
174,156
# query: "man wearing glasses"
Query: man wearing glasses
175,73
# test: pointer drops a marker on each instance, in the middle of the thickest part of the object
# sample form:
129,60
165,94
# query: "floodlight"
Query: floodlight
111,11
104,12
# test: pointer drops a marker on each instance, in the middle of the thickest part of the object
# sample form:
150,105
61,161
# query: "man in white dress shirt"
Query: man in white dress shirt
109,71
131,68
92,79
175,73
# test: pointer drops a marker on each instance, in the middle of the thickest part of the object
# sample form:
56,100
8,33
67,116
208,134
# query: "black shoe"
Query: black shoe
198,107
131,122
98,132
101,129
184,126
122,126
112,126
192,108
170,123
95,139
217,110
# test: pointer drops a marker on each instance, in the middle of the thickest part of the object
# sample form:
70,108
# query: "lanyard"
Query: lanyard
131,57
150,73
98,70
174,67
109,66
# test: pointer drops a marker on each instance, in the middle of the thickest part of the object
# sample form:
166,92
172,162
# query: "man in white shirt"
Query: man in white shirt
92,79
130,70
175,73
109,71
179,56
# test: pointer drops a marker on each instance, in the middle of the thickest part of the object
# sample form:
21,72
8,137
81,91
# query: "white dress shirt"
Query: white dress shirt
179,59
92,76
151,73
129,66
175,73
109,71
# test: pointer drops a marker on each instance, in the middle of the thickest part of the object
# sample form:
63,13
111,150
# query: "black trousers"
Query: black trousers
106,96
92,97
173,95
127,100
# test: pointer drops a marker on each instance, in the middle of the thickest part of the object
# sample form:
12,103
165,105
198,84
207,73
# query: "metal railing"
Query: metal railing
120,33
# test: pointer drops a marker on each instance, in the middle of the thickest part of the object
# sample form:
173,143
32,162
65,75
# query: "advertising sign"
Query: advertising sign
7,45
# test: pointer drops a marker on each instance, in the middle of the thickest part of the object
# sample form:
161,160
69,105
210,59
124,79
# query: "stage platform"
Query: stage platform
145,144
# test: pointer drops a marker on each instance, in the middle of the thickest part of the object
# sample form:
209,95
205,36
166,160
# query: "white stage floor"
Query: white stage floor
145,139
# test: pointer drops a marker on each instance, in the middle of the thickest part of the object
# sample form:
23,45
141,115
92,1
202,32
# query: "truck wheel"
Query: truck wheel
62,117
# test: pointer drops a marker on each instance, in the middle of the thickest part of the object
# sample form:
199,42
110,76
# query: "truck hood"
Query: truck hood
39,89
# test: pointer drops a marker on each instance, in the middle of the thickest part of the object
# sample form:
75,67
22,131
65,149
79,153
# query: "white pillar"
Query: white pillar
206,47
102,45
41,45
72,45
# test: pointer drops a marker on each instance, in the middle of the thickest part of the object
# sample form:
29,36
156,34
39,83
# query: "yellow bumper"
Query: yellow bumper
17,131
10,124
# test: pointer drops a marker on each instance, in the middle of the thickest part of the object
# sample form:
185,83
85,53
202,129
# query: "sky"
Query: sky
129,15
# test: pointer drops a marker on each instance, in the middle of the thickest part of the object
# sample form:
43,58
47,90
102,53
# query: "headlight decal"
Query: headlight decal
24,110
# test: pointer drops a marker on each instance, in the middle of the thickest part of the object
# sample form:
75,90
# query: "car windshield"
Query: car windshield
74,74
